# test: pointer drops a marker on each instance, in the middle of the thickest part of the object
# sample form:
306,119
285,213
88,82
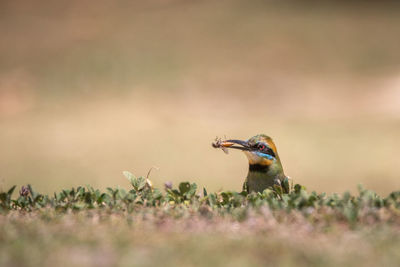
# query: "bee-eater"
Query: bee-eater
265,168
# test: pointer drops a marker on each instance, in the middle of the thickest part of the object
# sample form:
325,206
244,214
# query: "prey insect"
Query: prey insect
218,144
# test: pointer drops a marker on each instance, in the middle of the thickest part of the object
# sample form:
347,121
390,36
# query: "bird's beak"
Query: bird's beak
236,144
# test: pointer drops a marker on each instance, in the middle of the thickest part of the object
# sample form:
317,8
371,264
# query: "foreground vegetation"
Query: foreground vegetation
145,226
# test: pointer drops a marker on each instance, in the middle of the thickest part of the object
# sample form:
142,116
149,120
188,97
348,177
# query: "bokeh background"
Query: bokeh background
89,89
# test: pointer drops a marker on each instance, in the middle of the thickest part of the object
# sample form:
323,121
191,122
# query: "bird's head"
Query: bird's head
260,149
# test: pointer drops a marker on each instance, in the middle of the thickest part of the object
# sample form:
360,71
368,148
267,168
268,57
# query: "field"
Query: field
88,91
146,227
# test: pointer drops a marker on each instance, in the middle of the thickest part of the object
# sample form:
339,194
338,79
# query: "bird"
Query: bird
265,167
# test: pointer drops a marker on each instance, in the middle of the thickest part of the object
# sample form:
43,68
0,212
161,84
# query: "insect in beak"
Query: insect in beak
225,144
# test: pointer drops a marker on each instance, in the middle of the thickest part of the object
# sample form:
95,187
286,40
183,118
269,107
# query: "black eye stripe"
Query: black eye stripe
264,148
270,152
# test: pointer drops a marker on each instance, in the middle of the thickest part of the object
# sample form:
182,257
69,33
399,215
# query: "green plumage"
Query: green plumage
257,181
263,173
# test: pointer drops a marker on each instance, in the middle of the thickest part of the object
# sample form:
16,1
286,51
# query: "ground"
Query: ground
102,239
145,227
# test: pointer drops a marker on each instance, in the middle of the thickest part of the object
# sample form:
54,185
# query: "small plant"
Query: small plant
287,198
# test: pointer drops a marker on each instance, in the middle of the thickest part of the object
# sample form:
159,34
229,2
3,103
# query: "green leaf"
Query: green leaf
225,197
33,193
137,183
110,190
140,183
11,190
3,196
212,199
204,192
122,193
129,176
184,187
192,191
157,194
278,189
285,185
298,188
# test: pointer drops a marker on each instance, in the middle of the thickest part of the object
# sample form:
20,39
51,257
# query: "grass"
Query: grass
180,226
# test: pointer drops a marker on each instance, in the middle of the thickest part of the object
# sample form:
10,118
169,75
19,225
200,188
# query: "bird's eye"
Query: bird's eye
261,147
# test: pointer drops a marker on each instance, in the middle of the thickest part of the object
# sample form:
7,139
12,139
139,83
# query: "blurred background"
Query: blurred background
90,89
